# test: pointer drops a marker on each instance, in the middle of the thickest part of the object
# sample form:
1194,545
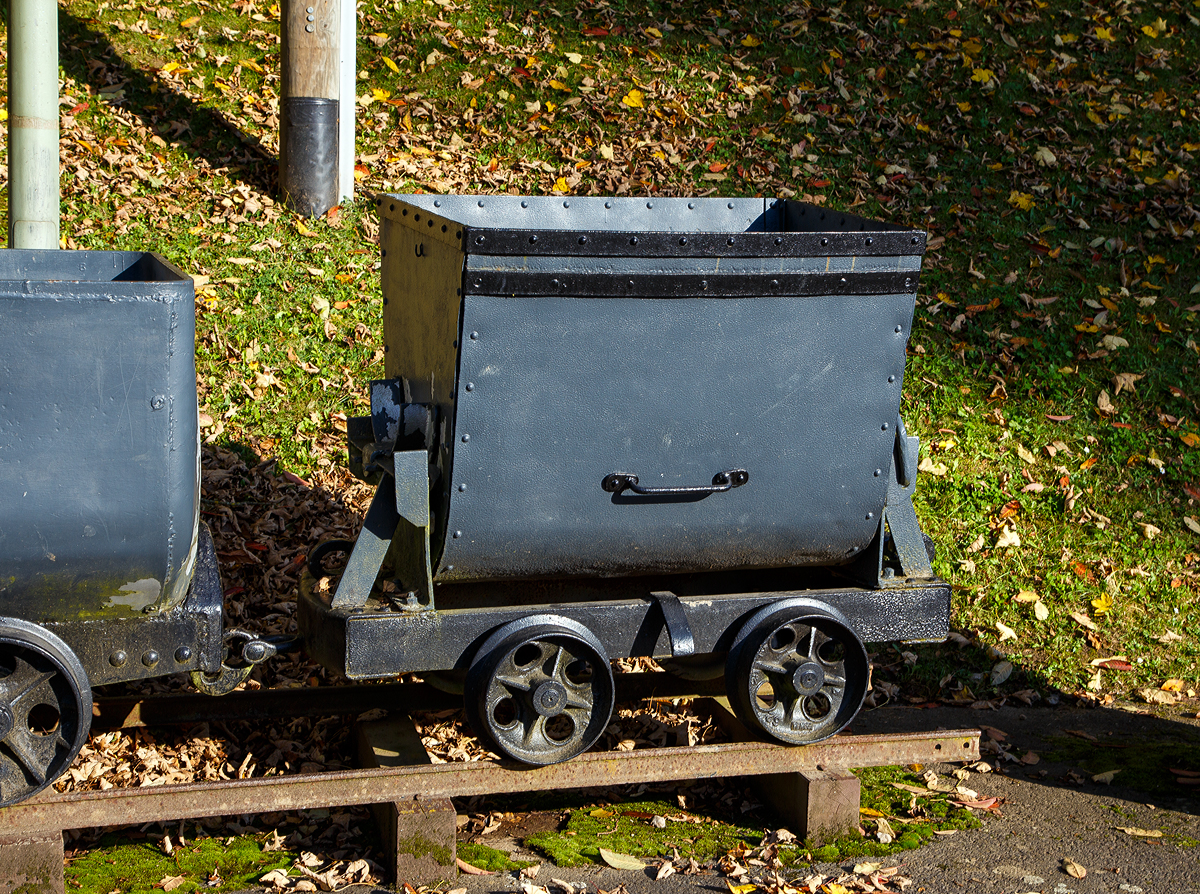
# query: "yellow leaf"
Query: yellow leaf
252,65
171,66
1006,632
751,41
740,889
561,184
1026,596
964,106
634,99
1022,200
606,152
982,75
867,811
1191,439
380,95
654,32
1102,603
1173,686
559,85
1025,454
392,65
1105,34
574,58
302,229
190,22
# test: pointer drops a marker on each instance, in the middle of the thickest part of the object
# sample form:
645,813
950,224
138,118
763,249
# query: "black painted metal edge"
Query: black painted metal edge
715,285
554,243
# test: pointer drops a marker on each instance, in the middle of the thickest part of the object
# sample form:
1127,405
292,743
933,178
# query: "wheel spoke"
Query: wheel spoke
812,643
23,680
538,726
558,668
24,751
519,684
770,667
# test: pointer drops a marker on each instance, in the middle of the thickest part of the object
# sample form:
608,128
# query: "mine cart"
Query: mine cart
633,427
106,573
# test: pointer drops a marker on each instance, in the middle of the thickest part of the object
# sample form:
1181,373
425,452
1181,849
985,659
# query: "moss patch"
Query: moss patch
483,857
138,868
626,828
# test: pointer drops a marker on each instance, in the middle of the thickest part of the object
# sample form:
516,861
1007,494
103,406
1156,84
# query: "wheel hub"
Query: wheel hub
550,698
808,678
6,721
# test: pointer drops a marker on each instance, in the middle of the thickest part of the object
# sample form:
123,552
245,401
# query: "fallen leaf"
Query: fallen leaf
171,882
1083,620
635,99
466,867
1124,382
1001,672
1149,531
1104,405
1006,632
1141,833
1102,603
740,889
1192,524
665,871
1040,611
1173,686
621,861
1008,538
1157,697
1171,637
1026,596
1073,869
1025,454
1105,778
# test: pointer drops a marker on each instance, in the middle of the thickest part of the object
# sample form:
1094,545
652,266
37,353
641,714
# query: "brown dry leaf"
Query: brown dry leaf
1157,697
1106,777
1083,620
1040,611
171,882
1125,381
883,831
1170,637
1104,405
1141,833
1030,758
1008,538
1073,869
1026,596
666,870
466,867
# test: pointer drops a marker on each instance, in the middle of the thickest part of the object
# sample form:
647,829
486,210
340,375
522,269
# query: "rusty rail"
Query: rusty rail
275,793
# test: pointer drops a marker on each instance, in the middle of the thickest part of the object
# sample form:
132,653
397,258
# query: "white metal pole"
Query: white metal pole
33,189
348,78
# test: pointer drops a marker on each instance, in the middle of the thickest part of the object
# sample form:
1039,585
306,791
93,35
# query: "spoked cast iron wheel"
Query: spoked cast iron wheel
540,690
797,672
45,709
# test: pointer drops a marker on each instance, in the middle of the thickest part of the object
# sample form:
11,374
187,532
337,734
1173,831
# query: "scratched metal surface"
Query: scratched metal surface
99,454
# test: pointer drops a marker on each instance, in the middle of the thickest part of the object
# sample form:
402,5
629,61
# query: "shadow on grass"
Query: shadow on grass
1034,732
201,133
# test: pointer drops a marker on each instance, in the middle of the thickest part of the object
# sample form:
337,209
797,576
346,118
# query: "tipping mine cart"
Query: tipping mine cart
106,572
634,427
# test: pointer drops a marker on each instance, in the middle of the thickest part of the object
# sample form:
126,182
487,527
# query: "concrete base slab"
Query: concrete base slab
31,863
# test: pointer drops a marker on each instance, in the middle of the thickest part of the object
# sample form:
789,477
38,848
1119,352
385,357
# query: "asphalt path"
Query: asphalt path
1049,813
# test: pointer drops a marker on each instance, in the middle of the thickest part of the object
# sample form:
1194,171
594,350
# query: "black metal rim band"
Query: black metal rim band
581,285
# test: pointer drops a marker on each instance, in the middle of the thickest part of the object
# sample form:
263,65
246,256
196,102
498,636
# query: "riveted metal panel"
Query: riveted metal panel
99,450
556,393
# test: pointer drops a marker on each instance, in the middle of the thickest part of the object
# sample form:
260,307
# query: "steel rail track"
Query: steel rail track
125,712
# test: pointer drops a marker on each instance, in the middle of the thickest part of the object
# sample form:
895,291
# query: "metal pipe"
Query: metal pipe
33,191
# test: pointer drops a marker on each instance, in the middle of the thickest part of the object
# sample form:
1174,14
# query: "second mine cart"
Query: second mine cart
634,427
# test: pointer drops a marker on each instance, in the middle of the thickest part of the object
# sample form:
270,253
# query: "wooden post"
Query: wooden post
310,84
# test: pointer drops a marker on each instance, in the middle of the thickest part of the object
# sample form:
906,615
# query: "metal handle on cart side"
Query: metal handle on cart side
617,482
